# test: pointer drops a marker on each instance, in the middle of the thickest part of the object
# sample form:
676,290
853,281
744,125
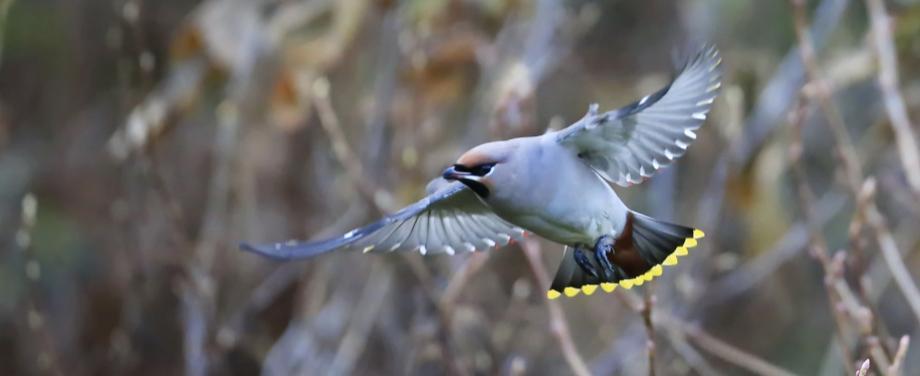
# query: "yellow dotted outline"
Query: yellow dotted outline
653,272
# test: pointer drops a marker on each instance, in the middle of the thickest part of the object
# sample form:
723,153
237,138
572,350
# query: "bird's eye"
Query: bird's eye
478,170
482,170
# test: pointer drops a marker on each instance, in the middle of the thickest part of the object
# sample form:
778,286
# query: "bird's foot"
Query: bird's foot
583,262
602,249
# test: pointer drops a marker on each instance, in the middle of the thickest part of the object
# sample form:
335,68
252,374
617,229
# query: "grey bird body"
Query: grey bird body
537,193
556,186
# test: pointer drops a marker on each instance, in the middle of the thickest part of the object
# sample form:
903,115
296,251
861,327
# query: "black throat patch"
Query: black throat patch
481,190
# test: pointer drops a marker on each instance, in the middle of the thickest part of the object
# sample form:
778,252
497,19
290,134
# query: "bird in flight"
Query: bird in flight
556,186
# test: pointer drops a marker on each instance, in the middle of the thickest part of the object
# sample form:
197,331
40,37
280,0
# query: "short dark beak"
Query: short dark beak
451,173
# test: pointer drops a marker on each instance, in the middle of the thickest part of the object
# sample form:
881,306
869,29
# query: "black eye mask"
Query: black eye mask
480,170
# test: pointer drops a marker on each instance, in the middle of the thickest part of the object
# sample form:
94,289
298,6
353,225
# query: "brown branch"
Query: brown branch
680,329
384,202
373,295
451,293
898,361
866,208
832,280
350,161
853,174
694,359
822,93
721,349
894,102
892,257
557,321
46,355
787,248
646,313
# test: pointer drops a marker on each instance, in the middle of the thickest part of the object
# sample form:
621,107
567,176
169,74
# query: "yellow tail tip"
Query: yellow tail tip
698,234
670,260
552,294
608,287
571,291
681,251
588,289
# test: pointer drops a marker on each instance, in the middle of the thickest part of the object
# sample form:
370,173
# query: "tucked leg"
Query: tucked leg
602,248
583,262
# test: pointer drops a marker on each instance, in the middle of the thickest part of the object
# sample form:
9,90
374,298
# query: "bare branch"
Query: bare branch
898,361
646,313
862,192
350,161
892,257
864,368
833,282
557,322
372,298
894,102
723,350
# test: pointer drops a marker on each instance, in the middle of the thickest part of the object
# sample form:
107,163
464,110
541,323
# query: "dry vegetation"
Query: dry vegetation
140,140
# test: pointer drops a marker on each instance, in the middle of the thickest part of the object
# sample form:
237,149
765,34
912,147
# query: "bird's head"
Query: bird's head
479,167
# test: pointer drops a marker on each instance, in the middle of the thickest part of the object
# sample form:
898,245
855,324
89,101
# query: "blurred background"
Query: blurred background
141,140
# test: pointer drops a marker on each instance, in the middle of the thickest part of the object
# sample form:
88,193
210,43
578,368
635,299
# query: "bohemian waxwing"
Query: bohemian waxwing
554,186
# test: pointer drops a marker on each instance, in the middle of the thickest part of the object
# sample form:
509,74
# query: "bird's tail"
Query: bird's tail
639,254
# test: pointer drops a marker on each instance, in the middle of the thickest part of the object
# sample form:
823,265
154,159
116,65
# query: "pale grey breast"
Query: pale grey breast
557,196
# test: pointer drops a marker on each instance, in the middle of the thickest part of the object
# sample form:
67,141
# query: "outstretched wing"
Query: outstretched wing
451,219
631,143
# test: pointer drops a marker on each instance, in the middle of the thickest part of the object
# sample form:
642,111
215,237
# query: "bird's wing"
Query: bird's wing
629,144
451,219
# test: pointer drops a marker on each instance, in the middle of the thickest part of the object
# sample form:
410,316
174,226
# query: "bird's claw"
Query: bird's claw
583,262
602,248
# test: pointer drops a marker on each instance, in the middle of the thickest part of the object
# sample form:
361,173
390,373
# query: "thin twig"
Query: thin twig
867,208
352,163
46,355
459,280
200,287
774,100
851,168
557,322
892,257
847,154
353,342
646,313
895,368
818,245
864,368
894,102
682,329
762,267
383,201
694,359
721,349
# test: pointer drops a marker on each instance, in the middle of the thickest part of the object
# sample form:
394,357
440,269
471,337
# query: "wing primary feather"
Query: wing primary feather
292,250
477,233
412,234
383,240
480,232
451,237
449,219
436,237
424,230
